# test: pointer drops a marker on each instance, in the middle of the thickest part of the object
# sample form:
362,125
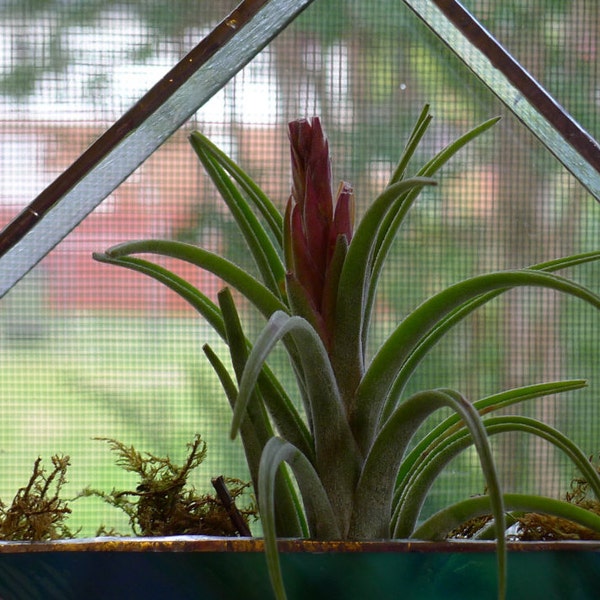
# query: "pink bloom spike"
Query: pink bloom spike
310,220
304,267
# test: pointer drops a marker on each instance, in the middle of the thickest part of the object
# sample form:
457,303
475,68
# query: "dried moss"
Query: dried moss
37,512
536,527
470,528
547,528
162,503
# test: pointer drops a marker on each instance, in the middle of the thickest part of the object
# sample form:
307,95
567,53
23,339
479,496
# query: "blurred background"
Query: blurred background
88,350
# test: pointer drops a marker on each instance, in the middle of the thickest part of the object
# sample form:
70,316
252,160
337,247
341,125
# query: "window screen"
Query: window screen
88,350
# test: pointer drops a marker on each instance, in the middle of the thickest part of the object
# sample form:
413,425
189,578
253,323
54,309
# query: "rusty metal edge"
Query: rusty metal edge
230,544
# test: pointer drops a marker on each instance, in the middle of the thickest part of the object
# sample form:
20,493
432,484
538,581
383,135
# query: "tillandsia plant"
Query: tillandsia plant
360,460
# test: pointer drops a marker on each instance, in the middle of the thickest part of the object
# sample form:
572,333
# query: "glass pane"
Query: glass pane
93,351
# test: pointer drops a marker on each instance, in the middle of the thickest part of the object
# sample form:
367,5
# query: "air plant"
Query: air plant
356,468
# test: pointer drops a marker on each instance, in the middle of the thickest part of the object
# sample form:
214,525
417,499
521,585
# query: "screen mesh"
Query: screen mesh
90,351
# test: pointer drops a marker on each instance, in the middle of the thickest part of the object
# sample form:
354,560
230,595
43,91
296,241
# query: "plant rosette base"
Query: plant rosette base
210,568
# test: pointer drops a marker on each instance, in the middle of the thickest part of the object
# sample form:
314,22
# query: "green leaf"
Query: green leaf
266,256
199,301
372,507
256,430
372,400
254,291
419,130
264,300
268,210
347,351
372,512
271,394
238,351
484,406
394,218
284,414
319,511
416,484
318,507
440,159
445,324
566,262
337,458
250,438
437,526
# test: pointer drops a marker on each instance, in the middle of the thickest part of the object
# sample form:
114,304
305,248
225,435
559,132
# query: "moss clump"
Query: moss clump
162,504
470,528
37,512
535,527
547,528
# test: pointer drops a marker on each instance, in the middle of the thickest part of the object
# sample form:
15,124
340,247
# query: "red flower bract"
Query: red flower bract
312,228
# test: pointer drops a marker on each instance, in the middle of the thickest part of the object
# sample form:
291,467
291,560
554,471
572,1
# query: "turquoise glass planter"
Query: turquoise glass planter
222,568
